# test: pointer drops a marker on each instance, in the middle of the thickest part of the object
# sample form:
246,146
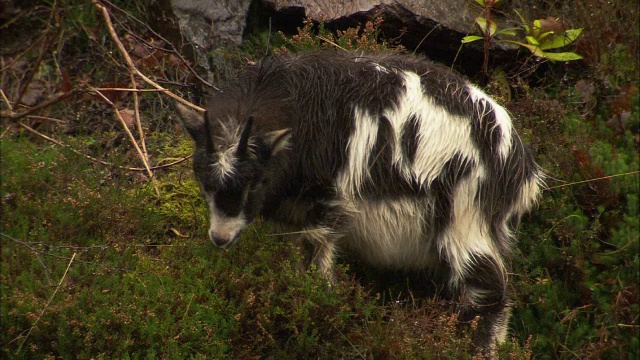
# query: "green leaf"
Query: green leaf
533,48
487,27
531,40
536,28
564,56
522,19
471,38
561,40
480,2
544,35
508,31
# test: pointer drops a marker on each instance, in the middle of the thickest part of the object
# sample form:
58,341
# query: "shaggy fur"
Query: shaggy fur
387,156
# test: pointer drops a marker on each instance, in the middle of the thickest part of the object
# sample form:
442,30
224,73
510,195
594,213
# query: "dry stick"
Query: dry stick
144,159
59,143
173,50
6,100
136,107
45,118
130,64
63,145
47,304
34,70
42,105
131,90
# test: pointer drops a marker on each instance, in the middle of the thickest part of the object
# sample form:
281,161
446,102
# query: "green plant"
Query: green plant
541,35
312,36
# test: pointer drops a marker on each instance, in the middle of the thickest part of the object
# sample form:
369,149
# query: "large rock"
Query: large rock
209,23
456,15
434,27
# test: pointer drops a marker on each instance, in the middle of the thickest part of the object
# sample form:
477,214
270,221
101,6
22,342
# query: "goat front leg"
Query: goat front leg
323,240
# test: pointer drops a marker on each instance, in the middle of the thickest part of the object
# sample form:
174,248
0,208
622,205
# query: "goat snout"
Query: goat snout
221,240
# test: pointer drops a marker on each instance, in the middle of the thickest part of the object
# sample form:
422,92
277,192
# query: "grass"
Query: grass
144,282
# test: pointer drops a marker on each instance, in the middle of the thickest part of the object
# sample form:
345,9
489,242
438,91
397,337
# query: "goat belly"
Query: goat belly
389,233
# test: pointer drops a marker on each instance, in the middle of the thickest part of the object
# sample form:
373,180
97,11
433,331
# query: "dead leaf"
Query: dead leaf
65,84
33,94
586,89
129,117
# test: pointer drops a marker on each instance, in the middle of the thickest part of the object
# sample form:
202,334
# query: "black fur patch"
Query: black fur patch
442,191
501,189
488,278
409,138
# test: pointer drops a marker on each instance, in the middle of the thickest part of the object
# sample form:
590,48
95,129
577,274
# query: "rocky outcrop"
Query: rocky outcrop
456,15
212,22
434,27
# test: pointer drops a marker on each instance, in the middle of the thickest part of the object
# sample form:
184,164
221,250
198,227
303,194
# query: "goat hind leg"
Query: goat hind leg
484,294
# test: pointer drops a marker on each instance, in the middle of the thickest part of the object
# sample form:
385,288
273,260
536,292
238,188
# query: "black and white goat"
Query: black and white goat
387,156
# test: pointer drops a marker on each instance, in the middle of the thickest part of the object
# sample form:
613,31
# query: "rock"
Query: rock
457,15
208,23
433,27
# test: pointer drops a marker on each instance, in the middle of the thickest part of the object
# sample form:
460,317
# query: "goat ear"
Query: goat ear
196,124
278,140
193,121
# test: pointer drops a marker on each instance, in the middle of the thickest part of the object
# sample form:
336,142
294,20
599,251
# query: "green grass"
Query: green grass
135,289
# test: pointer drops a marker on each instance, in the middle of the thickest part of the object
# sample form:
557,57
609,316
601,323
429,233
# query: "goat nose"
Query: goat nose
220,240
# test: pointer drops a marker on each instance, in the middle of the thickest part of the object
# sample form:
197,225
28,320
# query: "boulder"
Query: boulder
433,27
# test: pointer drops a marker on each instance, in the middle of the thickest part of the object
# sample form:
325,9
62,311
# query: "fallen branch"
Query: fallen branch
173,50
143,156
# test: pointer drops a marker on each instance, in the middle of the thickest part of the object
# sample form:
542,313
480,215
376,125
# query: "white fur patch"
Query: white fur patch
485,105
468,235
380,68
225,164
222,226
359,150
226,143
440,134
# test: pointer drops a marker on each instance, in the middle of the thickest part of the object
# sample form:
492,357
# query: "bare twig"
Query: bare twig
34,69
55,99
131,90
142,155
6,100
136,111
107,19
47,304
57,142
45,118
173,50
327,40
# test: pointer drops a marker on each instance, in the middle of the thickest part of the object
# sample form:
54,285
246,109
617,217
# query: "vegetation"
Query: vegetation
103,228
540,35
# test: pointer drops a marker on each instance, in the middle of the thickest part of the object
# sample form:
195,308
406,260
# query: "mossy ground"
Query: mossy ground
145,283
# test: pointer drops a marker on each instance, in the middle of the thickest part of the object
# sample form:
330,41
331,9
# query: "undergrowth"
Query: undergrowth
136,288
145,283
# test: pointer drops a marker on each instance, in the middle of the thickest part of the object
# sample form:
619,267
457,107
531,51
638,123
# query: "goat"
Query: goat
389,156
